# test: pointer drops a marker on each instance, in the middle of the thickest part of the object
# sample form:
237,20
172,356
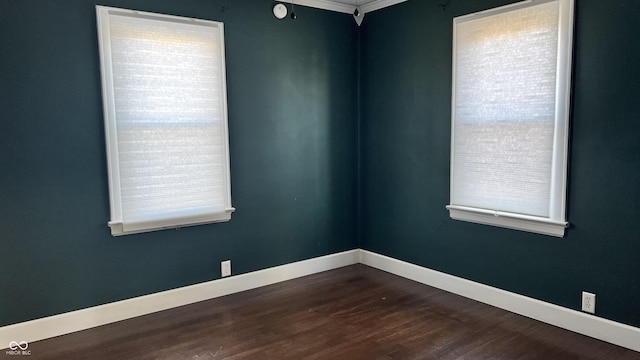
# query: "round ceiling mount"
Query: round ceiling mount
279,11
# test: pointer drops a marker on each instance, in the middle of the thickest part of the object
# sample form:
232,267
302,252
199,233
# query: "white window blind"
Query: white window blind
164,97
510,116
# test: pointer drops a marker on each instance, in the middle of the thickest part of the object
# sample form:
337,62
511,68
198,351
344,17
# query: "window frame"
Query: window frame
556,223
118,227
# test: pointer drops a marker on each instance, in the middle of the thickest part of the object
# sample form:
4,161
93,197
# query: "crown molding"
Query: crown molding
344,8
379,4
324,5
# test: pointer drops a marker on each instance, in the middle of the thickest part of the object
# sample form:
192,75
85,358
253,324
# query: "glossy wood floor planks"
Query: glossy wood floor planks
355,312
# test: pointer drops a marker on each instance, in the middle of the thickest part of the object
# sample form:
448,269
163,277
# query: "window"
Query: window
164,97
510,110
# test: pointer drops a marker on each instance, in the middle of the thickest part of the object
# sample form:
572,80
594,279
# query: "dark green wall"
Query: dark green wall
292,95
296,147
405,133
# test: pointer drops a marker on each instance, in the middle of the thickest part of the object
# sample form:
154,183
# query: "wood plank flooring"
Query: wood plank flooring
355,312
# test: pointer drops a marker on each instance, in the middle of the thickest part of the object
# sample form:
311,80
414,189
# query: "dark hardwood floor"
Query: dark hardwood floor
355,312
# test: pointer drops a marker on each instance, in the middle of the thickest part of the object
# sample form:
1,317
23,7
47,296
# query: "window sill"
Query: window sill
538,225
119,228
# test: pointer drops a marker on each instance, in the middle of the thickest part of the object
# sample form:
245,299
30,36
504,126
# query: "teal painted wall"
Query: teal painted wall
300,145
405,139
292,91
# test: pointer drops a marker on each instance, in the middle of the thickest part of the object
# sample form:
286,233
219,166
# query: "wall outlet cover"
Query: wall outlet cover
588,302
225,268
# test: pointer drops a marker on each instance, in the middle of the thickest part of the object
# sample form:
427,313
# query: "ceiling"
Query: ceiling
346,6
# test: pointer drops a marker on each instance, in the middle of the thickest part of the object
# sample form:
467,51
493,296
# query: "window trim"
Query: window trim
109,108
556,223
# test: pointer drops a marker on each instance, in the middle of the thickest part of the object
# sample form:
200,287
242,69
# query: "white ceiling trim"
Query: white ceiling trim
379,4
325,5
344,7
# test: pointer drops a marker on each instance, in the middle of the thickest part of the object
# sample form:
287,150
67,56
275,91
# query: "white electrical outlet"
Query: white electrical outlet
588,302
225,268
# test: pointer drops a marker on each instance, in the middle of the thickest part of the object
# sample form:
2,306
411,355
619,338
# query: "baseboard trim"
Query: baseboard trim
582,323
73,321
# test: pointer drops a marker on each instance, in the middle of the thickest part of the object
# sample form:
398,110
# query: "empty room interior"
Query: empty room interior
354,210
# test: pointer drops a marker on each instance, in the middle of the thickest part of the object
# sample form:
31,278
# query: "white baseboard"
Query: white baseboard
602,329
66,323
599,328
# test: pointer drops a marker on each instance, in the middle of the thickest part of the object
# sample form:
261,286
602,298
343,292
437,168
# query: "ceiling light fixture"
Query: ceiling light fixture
279,11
